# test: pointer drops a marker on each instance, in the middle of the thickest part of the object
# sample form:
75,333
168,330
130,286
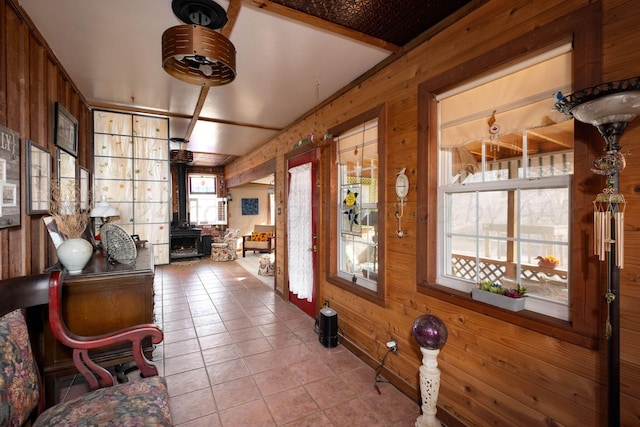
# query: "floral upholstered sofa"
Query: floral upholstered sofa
224,249
143,402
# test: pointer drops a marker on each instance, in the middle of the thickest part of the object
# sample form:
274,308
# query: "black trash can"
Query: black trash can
328,327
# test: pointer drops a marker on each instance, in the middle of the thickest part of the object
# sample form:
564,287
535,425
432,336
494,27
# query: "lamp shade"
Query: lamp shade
430,332
104,210
612,102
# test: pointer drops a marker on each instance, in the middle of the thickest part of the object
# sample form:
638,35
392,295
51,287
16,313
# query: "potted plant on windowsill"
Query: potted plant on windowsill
548,261
495,294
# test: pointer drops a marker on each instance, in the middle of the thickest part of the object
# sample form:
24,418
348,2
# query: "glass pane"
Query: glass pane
543,278
112,145
492,213
148,148
547,221
109,167
463,213
112,123
154,170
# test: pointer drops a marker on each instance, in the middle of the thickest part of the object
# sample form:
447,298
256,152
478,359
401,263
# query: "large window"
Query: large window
505,178
356,249
513,180
205,207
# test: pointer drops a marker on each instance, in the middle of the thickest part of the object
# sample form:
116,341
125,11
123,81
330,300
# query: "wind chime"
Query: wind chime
608,210
607,207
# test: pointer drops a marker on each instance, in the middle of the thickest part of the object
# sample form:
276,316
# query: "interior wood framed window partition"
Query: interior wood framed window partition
583,28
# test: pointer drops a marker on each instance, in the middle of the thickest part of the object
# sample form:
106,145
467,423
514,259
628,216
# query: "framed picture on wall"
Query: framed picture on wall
38,178
9,178
66,130
250,206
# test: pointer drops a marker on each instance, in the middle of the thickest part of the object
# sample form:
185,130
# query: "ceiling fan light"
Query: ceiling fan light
187,48
206,69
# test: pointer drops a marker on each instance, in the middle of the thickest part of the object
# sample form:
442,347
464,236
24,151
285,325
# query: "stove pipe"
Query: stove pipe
183,220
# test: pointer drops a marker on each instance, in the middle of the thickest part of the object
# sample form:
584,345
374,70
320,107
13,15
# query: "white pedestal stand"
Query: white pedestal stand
429,388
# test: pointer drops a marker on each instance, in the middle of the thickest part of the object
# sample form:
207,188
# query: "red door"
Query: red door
308,245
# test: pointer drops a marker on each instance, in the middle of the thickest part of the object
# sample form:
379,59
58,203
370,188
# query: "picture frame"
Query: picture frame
67,181
38,176
52,228
250,206
84,176
66,130
9,178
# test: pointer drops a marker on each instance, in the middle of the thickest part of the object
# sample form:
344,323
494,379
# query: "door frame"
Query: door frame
313,151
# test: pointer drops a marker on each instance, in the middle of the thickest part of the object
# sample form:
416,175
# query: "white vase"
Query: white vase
74,254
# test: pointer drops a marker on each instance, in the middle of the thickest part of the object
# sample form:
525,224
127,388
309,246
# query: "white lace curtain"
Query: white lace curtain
300,233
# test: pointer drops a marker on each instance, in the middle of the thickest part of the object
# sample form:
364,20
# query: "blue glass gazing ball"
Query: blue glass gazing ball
430,332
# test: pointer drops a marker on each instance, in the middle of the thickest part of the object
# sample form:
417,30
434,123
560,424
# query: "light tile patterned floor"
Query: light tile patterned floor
236,354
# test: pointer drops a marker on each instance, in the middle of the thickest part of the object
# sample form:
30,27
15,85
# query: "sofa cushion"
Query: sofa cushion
139,403
18,374
258,236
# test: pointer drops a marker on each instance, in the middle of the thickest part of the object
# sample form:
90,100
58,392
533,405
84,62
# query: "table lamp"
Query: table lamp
105,212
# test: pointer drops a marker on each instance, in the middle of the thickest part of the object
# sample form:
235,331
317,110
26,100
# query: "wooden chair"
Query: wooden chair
143,402
262,239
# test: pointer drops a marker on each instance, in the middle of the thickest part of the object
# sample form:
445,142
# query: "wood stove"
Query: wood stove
185,243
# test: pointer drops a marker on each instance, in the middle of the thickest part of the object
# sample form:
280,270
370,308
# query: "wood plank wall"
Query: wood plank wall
31,82
493,372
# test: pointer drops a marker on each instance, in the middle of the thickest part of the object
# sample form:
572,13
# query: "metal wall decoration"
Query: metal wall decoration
9,178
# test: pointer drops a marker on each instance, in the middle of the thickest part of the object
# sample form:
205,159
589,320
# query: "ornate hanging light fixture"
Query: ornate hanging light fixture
196,53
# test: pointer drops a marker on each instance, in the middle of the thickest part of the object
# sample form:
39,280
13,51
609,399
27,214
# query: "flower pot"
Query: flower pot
74,254
512,304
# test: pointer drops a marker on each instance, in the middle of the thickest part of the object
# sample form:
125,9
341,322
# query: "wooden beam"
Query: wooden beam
116,107
196,113
232,15
322,24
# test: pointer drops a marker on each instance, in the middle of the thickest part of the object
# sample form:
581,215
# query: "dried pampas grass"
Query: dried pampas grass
64,208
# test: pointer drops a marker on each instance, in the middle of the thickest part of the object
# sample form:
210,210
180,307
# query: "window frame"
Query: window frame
583,28
331,195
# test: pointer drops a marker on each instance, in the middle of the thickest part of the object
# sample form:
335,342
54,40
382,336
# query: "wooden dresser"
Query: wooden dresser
105,297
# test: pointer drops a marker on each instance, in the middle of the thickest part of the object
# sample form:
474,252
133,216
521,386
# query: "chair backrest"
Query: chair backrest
20,391
264,229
